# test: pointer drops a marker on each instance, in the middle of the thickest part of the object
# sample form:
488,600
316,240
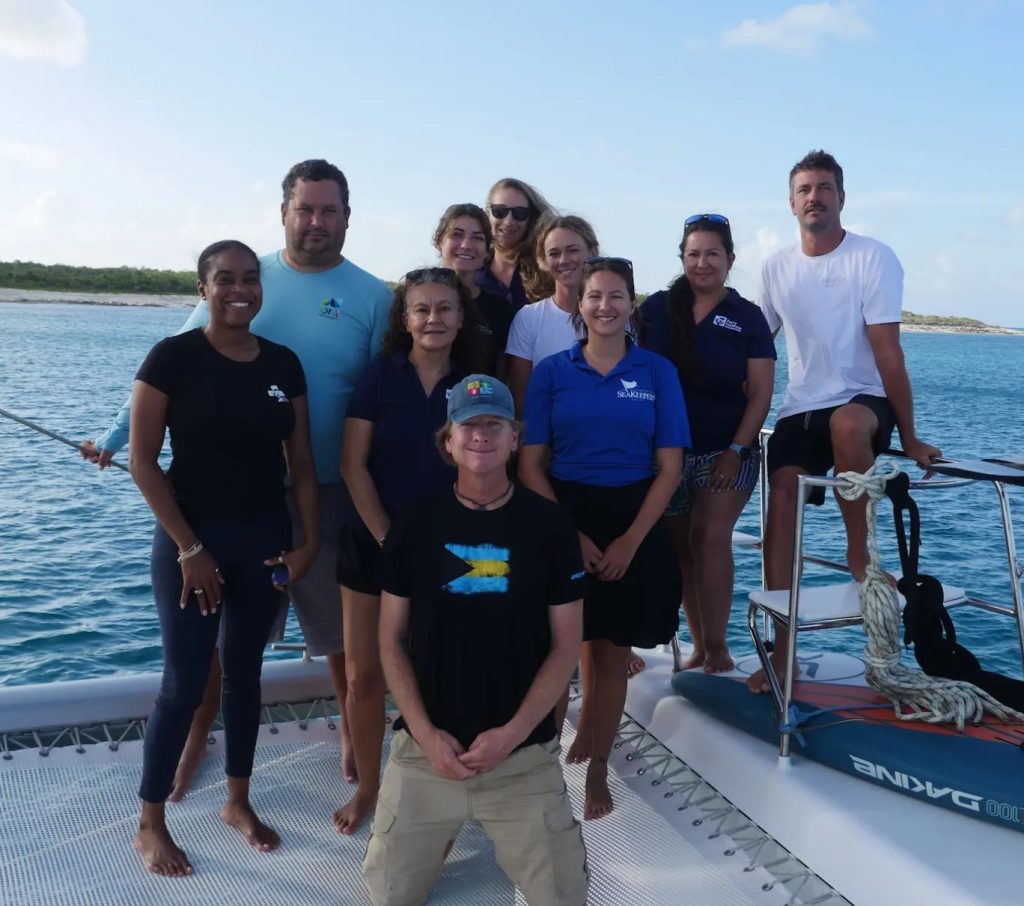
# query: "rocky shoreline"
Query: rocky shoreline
143,300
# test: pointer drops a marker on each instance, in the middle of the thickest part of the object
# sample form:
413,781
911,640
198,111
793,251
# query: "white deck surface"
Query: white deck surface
66,824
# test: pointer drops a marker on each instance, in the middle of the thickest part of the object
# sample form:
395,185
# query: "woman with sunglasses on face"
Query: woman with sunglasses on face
544,328
605,428
389,461
222,528
725,356
463,239
515,209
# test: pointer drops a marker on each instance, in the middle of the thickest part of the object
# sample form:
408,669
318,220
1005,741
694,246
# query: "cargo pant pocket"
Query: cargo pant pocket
569,867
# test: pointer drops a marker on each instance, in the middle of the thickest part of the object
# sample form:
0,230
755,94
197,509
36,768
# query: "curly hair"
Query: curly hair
536,282
469,351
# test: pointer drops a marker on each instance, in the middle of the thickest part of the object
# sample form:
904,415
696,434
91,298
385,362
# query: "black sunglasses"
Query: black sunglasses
711,218
601,259
519,212
430,275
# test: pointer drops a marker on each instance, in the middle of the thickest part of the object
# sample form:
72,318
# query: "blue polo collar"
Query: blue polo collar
629,361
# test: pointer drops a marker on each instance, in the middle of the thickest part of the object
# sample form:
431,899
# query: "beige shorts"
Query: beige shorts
315,597
522,804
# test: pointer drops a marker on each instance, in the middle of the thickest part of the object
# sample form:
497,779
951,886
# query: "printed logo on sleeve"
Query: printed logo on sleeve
331,308
480,388
277,393
632,391
723,321
576,576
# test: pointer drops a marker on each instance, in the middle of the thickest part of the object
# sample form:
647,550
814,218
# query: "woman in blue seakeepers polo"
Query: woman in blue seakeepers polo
389,461
605,430
725,356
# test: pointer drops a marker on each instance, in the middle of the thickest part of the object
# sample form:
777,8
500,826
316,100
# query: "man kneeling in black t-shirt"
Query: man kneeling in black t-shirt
485,564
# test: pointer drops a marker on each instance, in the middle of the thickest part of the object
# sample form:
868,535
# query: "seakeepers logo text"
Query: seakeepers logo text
630,391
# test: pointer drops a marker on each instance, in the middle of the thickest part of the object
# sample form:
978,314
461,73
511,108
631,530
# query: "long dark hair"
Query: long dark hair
679,305
469,351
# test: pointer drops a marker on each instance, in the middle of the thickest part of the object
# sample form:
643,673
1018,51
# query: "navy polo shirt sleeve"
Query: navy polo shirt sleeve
671,426
537,403
365,401
761,344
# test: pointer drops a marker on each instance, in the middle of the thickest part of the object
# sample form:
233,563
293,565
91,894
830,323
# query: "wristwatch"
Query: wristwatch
739,449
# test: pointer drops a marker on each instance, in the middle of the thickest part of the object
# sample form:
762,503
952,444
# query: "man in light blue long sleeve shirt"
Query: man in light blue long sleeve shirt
333,315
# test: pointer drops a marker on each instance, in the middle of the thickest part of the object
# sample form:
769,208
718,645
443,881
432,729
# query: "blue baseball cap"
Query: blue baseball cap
480,394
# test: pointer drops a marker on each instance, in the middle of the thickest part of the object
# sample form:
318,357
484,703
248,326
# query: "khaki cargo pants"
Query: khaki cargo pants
522,804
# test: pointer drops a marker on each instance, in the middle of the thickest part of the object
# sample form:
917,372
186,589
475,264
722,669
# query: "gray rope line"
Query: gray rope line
915,695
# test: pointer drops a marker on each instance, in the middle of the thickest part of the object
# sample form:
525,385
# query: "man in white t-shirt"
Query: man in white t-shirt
838,297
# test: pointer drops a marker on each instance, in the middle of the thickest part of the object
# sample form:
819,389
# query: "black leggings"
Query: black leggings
249,606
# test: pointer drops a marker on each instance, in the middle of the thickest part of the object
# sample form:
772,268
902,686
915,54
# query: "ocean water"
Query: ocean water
75,596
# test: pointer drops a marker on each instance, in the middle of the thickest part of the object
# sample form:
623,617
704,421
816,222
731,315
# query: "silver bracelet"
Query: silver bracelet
190,552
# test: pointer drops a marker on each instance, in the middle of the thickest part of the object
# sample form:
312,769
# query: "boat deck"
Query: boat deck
66,823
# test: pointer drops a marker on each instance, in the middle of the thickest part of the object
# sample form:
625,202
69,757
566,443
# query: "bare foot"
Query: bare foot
635,664
187,765
579,751
696,659
159,853
348,754
719,660
351,814
758,683
598,801
241,817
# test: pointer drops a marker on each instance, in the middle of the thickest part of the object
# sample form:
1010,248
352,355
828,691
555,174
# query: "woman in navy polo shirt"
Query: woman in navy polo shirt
725,356
516,209
605,428
388,462
463,239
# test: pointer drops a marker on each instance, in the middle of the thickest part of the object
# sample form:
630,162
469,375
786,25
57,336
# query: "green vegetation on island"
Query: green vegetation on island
66,277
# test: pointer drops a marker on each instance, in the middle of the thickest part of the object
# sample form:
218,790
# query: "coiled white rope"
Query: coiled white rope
915,695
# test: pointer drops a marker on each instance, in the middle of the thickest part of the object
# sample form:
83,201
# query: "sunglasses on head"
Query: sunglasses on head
519,212
602,259
430,275
711,218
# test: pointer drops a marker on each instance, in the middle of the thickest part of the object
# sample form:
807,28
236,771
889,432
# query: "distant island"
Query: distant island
134,286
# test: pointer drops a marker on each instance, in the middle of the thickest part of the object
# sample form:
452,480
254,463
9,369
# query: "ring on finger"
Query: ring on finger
199,591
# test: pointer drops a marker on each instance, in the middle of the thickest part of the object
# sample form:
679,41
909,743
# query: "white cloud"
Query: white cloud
33,215
48,31
800,29
23,153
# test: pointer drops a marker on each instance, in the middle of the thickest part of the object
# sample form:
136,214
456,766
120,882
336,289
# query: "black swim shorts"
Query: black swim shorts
805,441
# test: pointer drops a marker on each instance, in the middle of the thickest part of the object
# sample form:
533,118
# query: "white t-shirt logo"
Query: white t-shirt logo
277,393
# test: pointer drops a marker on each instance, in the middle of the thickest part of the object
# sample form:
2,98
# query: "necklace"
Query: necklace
477,504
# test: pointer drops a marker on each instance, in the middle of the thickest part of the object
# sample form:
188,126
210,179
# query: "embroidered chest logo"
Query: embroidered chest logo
723,321
630,391
330,308
832,281
277,393
488,569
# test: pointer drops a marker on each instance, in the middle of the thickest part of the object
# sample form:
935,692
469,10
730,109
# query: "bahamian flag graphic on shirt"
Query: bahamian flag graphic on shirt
488,569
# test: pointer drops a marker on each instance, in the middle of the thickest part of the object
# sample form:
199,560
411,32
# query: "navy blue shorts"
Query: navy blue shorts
804,440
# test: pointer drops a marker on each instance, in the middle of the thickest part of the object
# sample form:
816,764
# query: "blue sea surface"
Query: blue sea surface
75,596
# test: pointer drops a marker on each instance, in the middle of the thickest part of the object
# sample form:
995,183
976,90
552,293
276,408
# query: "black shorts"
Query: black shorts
359,557
804,440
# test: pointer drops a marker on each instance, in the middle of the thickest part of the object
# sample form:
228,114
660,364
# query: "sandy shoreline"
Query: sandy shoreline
144,300
122,300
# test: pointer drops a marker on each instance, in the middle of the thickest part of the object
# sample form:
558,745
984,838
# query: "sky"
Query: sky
137,133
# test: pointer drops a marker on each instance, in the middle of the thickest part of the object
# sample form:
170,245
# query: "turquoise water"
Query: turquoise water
75,598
